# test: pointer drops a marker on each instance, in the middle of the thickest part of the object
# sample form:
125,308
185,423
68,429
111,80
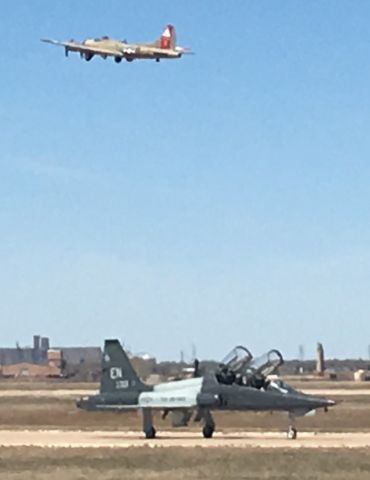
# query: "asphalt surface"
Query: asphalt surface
99,439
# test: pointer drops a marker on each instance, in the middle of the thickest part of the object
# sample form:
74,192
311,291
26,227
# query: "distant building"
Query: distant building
80,355
42,361
52,368
36,354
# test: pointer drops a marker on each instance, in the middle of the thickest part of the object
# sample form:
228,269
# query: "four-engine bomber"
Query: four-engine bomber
163,48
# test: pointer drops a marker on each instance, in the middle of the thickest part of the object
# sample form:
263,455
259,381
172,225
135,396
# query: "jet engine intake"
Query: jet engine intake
208,400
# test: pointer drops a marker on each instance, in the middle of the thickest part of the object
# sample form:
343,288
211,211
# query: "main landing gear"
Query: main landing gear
150,431
208,431
209,424
148,428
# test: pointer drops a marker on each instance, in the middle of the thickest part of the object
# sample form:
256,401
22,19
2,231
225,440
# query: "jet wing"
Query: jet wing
89,49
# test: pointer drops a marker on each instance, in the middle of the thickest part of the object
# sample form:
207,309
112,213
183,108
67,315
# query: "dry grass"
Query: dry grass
325,384
52,384
183,464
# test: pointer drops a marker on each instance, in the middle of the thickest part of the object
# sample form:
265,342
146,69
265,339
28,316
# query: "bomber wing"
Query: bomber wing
91,50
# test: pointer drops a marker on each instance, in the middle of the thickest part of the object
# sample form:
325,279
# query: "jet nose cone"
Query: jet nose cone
321,402
326,403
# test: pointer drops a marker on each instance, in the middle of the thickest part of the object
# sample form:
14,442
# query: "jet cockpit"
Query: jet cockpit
266,364
234,365
241,368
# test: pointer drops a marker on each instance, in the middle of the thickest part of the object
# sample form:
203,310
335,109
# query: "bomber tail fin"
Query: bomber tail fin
168,38
118,375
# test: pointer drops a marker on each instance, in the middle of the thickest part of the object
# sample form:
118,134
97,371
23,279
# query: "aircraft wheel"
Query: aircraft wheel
292,433
118,59
208,431
150,433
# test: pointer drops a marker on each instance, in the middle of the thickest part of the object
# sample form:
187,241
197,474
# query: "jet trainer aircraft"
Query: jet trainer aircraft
163,48
240,384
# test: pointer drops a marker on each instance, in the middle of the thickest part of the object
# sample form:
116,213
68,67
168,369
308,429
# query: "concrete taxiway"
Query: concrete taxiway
100,439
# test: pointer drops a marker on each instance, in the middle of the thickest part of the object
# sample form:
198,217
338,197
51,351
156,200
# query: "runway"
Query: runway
100,439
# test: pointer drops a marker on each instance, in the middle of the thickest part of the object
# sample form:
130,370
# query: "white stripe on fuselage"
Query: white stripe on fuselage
177,394
179,384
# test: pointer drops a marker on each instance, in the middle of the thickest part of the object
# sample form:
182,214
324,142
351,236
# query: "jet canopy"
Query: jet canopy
238,359
241,368
266,364
234,365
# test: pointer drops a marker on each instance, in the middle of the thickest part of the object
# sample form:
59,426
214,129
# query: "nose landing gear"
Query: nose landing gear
292,430
292,433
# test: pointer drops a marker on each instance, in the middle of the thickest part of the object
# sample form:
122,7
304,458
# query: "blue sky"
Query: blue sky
217,200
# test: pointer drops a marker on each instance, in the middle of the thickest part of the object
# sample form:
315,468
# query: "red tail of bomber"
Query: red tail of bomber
168,38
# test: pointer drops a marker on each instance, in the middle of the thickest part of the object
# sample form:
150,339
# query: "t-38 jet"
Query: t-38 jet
240,383
163,48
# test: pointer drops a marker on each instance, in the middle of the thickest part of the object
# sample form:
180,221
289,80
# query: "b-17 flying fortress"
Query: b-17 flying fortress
163,48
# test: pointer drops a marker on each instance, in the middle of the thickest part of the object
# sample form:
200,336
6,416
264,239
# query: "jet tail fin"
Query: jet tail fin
118,375
168,38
